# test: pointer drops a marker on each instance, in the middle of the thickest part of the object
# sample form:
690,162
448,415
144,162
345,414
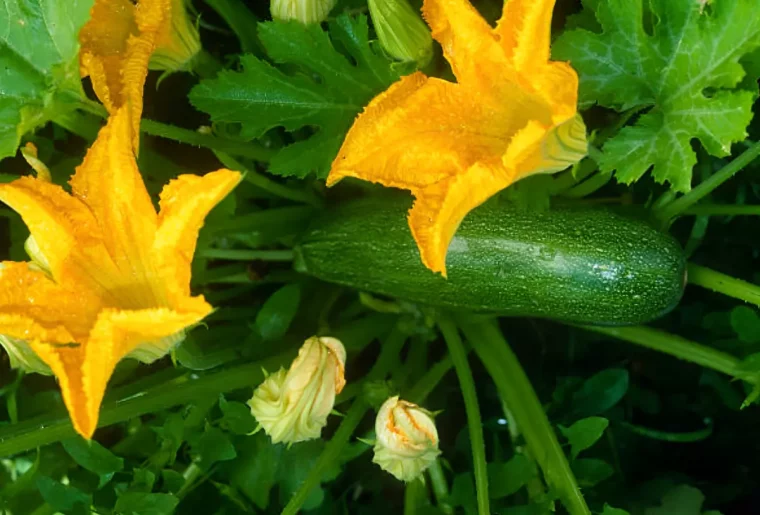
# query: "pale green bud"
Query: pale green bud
401,31
305,11
178,42
23,357
292,406
406,439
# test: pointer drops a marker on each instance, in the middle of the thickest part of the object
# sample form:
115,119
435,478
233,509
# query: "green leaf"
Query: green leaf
39,50
684,70
173,481
504,479
591,471
681,500
323,89
255,472
463,493
236,417
212,446
94,457
135,503
600,392
609,510
62,497
275,316
584,433
746,324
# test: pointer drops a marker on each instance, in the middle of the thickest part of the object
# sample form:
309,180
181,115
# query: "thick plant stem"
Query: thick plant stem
250,150
722,283
329,455
46,430
440,488
723,210
675,346
474,421
678,206
412,494
247,255
517,393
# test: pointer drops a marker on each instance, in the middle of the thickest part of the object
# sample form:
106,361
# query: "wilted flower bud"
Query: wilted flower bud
292,406
305,11
178,42
401,31
407,440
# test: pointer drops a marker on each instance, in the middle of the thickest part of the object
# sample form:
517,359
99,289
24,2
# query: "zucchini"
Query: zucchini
584,265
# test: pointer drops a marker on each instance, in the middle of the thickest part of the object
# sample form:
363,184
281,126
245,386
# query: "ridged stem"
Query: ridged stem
722,283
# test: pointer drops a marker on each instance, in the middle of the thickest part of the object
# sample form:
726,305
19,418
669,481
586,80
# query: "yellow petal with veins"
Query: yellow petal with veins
512,113
83,372
185,202
116,45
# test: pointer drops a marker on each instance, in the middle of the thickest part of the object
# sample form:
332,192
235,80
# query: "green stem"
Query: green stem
474,421
517,393
49,429
81,124
263,182
163,130
676,346
419,392
588,186
247,255
669,436
678,206
330,455
723,210
722,283
412,494
440,488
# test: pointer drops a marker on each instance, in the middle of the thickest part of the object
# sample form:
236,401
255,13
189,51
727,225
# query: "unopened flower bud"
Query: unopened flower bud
305,11
407,440
178,42
292,406
401,31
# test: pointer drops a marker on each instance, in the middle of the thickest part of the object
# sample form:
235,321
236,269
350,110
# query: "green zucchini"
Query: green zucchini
584,265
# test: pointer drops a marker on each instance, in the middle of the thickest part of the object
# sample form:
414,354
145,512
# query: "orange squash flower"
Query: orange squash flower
121,39
512,113
111,277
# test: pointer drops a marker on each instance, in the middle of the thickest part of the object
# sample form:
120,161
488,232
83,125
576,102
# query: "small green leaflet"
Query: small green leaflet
684,73
39,66
318,87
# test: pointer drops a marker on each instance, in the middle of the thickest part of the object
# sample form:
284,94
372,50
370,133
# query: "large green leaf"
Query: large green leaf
39,69
679,63
323,89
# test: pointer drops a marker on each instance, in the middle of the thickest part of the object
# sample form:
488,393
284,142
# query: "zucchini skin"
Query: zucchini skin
582,265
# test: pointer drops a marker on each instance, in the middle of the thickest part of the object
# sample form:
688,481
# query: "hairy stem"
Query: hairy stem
722,283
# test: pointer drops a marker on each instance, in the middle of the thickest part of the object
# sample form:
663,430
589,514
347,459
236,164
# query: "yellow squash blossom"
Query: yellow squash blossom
121,39
511,113
111,277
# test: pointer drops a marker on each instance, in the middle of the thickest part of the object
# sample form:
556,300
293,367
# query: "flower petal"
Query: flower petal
64,230
469,43
538,149
116,45
440,208
84,371
430,129
34,307
111,186
185,202
525,31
